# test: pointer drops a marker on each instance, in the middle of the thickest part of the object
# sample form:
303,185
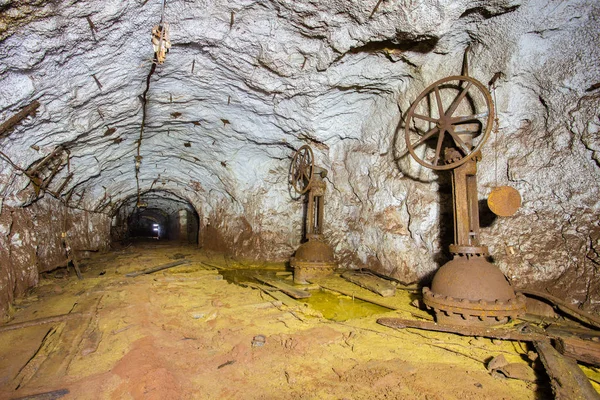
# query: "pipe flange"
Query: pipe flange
306,271
313,264
481,251
475,308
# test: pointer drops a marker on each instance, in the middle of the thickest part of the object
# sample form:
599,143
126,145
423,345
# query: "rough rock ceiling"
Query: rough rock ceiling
247,82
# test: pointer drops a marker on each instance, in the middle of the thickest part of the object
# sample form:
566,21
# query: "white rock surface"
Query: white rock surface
269,76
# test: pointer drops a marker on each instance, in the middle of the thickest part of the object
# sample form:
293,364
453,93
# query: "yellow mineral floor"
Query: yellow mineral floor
186,333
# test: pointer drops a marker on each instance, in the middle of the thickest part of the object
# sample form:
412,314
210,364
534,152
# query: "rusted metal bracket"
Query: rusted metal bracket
36,172
55,169
93,28
38,165
25,112
63,185
103,203
375,8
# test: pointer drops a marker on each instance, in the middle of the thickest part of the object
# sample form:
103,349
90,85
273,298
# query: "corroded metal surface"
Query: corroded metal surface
467,290
444,111
302,169
27,111
504,201
313,259
469,250
471,290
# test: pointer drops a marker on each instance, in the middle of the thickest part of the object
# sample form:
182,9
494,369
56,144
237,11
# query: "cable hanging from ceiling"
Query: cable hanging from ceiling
161,44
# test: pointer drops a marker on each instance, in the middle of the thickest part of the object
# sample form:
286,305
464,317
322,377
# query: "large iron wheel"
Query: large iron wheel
302,169
446,110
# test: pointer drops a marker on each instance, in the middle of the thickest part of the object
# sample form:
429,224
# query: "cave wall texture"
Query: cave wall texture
246,83
31,242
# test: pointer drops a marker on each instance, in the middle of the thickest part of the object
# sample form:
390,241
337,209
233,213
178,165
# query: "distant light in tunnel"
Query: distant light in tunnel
156,228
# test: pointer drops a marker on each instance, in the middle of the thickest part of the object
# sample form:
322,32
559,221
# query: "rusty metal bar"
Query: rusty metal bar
29,110
40,164
55,170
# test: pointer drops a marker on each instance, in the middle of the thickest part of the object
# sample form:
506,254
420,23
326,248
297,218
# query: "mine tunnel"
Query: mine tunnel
157,215
299,199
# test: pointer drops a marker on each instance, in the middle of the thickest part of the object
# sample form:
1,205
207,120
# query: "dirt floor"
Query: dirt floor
187,333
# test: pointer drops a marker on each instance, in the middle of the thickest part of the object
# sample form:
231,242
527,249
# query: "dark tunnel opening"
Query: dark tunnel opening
156,215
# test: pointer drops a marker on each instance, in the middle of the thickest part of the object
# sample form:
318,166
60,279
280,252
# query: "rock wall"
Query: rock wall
31,242
246,83
388,213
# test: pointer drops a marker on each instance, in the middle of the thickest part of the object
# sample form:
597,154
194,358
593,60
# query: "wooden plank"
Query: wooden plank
211,265
47,347
40,321
259,306
400,285
349,289
374,284
274,293
53,395
285,288
570,331
157,268
285,299
258,286
567,379
579,343
202,275
566,308
73,258
587,351
494,333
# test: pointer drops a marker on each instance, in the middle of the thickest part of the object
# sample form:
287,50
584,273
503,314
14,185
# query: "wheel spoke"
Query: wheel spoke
301,166
438,149
426,136
438,98
458,99
426,118
462,145
305,174
466,118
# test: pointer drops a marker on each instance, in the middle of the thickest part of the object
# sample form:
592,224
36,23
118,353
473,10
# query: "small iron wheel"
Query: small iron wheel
302,169
453,114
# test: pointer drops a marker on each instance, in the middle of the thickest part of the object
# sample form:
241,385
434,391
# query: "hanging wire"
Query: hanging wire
162,13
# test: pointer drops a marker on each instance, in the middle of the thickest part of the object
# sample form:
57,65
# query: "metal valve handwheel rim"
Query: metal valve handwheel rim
302,169
447,122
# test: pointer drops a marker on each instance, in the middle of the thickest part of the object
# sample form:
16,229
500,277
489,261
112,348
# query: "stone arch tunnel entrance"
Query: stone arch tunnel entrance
157,215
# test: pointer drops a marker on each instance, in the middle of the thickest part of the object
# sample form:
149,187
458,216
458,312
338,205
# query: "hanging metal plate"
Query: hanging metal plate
504,201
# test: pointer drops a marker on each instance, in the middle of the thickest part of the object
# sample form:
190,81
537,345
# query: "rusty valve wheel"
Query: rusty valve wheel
457,113
302,168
